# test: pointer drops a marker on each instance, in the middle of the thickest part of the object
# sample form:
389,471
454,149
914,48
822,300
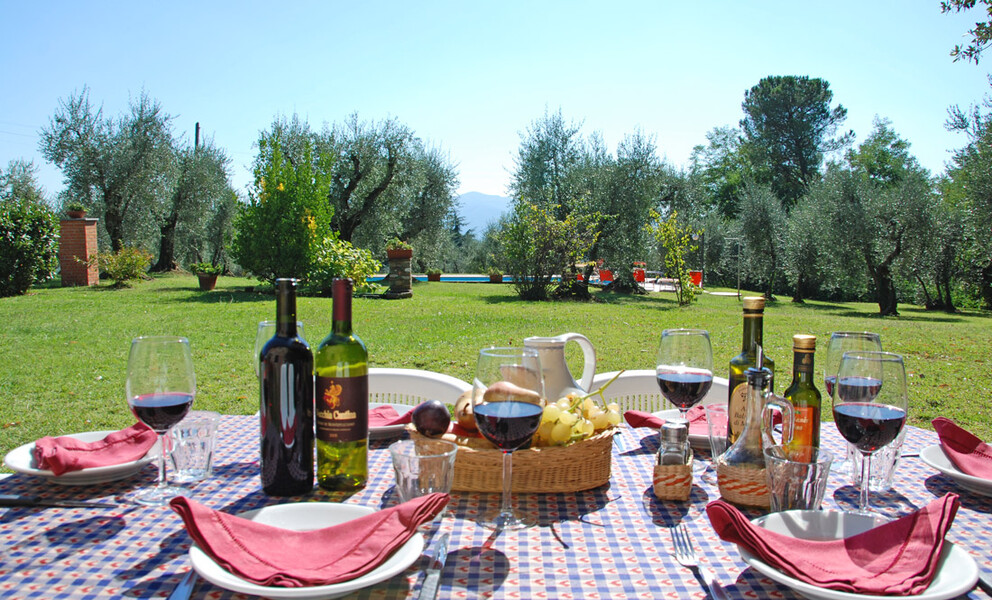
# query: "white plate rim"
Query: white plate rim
389,430
398,562
698,442
21,458
955,586
936,458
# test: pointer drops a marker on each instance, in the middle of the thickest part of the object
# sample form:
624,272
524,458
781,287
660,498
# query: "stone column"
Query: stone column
399,277
78,241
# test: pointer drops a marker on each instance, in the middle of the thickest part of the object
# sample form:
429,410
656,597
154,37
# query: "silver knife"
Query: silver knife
985,582
19,500
428,591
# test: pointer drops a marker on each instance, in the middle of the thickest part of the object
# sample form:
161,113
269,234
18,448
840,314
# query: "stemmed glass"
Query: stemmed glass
160,389
841,342
870,404
508,394
846,341
684,368
267,329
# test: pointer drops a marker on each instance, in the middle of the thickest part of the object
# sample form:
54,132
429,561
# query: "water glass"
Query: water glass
883,465
716,425
192,452
797,476
422,467
265,331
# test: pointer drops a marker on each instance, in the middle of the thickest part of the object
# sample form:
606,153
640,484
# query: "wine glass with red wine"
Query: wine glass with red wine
508,398
160,390
870,404
684,367
846,341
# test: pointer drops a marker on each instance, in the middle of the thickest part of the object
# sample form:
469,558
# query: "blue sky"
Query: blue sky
471,76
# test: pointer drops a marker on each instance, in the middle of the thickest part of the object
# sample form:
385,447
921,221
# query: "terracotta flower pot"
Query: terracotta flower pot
433,277
400,253
207,282
76,214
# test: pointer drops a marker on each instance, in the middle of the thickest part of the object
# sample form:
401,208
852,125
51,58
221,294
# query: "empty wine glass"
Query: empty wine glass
508,396
265,331
160,389
870,405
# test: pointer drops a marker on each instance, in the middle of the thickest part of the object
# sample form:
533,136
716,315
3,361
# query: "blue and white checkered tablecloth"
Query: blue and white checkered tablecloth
611,542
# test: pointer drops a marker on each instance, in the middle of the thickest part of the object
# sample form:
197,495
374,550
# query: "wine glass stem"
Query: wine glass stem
504,508
165,443
865,483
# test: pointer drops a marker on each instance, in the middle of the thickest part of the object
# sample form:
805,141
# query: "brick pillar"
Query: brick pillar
78,240
399,277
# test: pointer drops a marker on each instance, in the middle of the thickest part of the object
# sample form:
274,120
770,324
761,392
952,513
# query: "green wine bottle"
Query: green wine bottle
802,393
754,311
341,385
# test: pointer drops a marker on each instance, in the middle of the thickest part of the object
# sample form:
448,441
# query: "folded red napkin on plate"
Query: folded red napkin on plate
273,556
64,454
898,558
696,416
968,453
384,416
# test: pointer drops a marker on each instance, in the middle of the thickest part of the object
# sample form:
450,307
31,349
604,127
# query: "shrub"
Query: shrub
205,269
677,241
338,258
29,235
398,244
124,265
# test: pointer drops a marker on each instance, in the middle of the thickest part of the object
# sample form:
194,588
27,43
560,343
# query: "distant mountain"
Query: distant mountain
478,210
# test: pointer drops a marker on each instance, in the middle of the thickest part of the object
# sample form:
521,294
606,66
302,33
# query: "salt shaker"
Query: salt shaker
674,449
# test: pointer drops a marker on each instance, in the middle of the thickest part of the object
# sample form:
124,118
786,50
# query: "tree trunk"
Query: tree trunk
985,285
928,302
885,291
800,297
167,246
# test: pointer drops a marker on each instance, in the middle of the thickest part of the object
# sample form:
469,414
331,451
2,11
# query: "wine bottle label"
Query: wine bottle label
342,408
737,410
802,432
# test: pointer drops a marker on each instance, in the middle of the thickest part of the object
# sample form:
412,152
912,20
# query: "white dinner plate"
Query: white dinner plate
956,574
377,433
696,441
935,457
306,516
21,460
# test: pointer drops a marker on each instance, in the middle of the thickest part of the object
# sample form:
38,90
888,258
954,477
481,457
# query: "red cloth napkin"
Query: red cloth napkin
273,556
898,558
383,416
968,453
64,454
696,416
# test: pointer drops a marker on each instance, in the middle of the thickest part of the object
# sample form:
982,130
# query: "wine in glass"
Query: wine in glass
508,398
870,404
684,367
160,389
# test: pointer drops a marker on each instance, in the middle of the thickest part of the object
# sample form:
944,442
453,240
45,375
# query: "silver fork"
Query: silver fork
686,555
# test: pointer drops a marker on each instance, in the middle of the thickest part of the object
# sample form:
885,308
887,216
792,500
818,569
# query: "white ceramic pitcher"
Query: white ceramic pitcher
558,380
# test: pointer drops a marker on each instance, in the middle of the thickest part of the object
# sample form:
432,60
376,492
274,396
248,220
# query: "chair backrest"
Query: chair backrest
638,390
413,386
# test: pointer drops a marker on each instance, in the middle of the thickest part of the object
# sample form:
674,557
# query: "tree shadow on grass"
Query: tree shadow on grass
215,296
906,313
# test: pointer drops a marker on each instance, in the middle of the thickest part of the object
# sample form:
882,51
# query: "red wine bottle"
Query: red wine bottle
286,393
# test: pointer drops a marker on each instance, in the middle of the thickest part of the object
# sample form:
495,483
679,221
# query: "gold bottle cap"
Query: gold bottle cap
754,303
802,341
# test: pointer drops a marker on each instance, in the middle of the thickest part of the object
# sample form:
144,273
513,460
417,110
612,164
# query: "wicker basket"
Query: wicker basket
580,466
673,482
743,486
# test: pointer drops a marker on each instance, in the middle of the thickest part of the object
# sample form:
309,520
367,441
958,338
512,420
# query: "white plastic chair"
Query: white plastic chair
413,386
638,390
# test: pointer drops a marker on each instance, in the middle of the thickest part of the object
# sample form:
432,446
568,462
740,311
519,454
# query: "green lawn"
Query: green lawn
64,350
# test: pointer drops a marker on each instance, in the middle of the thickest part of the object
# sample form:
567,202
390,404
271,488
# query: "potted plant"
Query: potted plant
396,248
495,275
207,274
75,210
433,274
